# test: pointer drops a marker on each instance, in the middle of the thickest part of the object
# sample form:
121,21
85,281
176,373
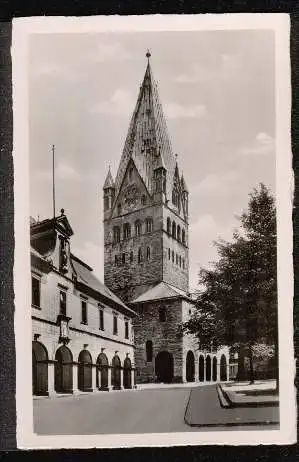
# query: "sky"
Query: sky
217,90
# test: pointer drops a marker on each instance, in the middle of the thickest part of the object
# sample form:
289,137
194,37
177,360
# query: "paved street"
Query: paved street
137,411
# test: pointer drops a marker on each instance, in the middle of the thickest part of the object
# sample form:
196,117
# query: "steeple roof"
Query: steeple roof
109,183
147,142
183,183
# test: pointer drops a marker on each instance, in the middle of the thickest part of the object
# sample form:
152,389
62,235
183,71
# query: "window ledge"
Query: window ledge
36,307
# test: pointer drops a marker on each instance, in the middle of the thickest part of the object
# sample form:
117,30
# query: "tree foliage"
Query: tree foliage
237,304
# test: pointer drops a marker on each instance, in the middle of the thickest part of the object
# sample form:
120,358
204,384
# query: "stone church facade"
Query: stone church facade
146,242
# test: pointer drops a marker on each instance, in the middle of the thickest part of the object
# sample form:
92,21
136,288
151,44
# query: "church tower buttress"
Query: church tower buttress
146,207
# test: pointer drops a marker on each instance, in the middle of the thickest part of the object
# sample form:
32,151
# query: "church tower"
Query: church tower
146,207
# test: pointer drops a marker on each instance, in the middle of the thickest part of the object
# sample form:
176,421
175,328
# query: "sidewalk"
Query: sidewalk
204,410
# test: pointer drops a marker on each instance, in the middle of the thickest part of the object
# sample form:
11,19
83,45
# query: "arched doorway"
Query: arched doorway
201,368
39,369
190,366
102,372
223,369
85,371
116,367
127,373
164,367
64,370
208,368
214,373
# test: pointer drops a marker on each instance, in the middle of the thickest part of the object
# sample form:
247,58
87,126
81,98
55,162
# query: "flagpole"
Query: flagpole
53,172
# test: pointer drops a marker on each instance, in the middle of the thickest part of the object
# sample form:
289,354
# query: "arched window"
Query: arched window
148,253
119,209
176,259
178,233
172,256
169,254
149,351
183,236
168,226
127,231
139,255
116,234
174,197
143,199
183,263
131,256
173,229
180,261
149,225
138,228
162,314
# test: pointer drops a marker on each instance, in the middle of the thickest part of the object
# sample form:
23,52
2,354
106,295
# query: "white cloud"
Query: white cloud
63,171
263,144
54,70
177,111
93,255
120,103
215,184
109,52
227,67
202,235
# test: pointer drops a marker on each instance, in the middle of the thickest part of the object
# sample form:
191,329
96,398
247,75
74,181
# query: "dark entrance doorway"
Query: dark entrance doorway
39,369
201,368
116,367
214,373
208,368
164,367
223,369
102,372
64,370
85,371
190,367
127,373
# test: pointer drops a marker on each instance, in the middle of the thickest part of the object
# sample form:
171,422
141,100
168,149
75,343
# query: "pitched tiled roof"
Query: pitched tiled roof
147,138
85,276
160,291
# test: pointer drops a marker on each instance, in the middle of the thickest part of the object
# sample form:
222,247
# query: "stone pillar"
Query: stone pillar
94,377
218,370
121,378
227,370
133,378
75,378
109,378
51,378
196,369
204,370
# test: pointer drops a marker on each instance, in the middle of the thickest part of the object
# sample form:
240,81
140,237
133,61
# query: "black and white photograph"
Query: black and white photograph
153,271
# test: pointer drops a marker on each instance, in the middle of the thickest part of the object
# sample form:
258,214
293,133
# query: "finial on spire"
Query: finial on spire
148,55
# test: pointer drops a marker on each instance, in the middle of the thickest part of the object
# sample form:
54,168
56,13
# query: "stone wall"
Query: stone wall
45,317
164,335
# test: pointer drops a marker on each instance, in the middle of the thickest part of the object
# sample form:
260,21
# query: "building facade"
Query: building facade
82,334
146,242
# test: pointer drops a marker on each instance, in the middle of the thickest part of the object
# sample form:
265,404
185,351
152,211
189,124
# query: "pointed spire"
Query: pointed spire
183,183
159,162
109,183
147,136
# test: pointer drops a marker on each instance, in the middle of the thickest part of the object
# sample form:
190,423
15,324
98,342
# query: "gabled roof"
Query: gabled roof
160,291
85,276
147,137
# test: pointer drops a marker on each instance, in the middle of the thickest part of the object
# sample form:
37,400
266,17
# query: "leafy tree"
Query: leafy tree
237,302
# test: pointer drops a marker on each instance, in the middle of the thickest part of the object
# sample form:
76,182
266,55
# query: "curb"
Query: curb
233,404
226,405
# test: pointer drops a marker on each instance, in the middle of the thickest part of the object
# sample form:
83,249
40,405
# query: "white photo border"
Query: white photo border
22,29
